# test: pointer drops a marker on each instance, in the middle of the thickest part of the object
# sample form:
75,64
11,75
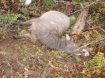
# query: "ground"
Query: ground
21,58
24,59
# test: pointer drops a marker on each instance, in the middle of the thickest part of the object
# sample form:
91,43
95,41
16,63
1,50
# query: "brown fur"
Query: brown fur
48,28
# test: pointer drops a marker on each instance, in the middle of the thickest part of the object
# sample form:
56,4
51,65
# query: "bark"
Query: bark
80,23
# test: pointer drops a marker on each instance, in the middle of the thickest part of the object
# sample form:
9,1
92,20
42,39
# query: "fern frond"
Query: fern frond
95,65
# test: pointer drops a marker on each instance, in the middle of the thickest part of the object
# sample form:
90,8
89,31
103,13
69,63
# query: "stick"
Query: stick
85,7
62,1
93,42
80,23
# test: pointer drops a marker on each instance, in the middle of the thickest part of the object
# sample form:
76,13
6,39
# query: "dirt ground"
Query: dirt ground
24,59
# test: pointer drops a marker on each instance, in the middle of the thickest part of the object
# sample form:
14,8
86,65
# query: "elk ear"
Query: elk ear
67,37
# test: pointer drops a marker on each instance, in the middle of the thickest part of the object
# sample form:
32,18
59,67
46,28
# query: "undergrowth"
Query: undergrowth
5,21
95,66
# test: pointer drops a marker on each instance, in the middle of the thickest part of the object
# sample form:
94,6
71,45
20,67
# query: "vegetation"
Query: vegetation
24,59
94,66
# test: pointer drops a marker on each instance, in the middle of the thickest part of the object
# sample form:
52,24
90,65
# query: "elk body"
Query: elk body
47,30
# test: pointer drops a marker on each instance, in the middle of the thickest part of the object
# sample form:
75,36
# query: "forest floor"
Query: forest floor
24,59
21,58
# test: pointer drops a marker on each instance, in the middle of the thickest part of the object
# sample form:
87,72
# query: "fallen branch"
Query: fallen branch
80,23
93,42
99,28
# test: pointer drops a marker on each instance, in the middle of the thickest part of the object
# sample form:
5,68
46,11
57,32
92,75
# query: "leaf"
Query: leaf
78,59
64,54
72,19
23,32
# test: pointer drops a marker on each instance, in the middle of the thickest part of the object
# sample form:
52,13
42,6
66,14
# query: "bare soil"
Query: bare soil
24,59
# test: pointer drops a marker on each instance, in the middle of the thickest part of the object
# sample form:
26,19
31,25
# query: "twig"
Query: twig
62,1
93,42
93,28
103,30
85,7
54,67
45,71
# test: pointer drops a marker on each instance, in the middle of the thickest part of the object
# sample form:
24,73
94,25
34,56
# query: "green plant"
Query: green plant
25,12
94,66
3,32
58,76
49,2
8,18
5,21
22,32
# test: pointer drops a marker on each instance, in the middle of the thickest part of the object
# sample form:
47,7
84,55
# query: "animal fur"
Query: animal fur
48,28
